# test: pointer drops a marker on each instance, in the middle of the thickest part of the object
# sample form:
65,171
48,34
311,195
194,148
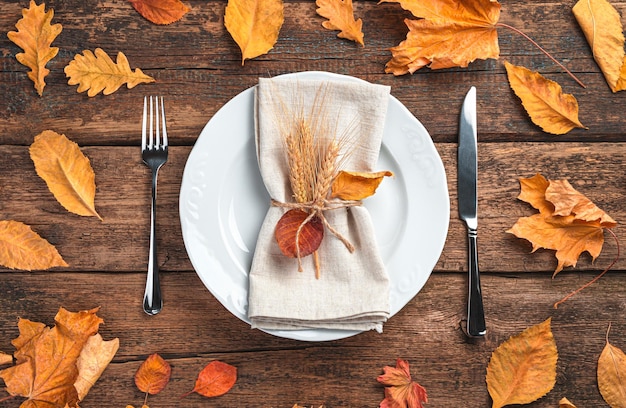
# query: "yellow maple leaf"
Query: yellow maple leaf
612,375
35,35
22,248
254,25
523,368
449,34
66,171
340,15
546,104
602,26
95,71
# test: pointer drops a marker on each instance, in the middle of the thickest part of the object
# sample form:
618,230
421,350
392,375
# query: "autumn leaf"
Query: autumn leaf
5,358
46,358
400,389
254,25
153,375
601,23
351,185
95,71
93,360
297,235
565,403
34,35
340,15
160,11
66,171
449,34
215,379
612,375
546,104
22,248
523,368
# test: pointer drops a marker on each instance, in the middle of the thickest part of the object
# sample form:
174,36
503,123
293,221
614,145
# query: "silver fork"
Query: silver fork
154,154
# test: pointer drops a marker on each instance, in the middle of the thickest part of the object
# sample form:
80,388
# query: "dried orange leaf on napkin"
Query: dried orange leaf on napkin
449,34
153,374
160,11
340,15
523,368
254,25
546,104
612,375
34,35
354,185
400,389
215,379
22,248
66,171
95,71
601,23
298,234
93,360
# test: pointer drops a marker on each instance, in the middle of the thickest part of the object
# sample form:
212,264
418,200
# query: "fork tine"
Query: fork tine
164,128
144,123
151,145
157,142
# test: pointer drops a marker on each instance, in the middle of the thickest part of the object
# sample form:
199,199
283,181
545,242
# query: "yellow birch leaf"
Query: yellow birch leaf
355,186
612,375
94,358
546,104
34,35
523,368
95,71
254,25
66,171
5,358
22,248
340,15
603,29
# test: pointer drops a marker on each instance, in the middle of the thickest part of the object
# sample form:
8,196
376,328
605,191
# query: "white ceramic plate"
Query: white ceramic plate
223,203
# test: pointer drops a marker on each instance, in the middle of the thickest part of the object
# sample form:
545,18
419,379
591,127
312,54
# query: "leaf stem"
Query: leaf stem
8,397
591,282
543,51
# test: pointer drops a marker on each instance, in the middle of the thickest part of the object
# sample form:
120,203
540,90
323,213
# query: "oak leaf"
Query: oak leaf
95,72
355,186
34,35
93,360
523,368
340,15
22,248
66,171
568,222
449,34
612,375
565,403
254,25
298,234
160,11
400,389
215,379
602,26
546,104
153,375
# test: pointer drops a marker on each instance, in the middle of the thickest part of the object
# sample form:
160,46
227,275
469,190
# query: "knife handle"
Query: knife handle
475,313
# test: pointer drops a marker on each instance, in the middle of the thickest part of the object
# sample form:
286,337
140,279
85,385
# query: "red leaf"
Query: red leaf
215,379
160,11
309,238
401,391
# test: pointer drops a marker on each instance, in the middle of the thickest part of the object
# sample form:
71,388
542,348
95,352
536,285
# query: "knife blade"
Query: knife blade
468,209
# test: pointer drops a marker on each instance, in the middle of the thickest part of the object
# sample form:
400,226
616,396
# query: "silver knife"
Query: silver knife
468,209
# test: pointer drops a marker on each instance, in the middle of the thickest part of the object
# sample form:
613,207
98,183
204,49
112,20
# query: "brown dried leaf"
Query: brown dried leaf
66,171
153,374
22,248
612,375
308,239
340,15
523,368
254,25
160,11
215,379
546,104
93,360
353,185
95,71
400,389
35,35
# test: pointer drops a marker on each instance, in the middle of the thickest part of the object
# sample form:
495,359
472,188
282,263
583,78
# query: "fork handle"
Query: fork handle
152,300
475,313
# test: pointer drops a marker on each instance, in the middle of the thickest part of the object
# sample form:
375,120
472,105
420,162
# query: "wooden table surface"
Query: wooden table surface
197,67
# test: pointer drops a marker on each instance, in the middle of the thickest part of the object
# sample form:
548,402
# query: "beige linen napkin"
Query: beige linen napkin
352,292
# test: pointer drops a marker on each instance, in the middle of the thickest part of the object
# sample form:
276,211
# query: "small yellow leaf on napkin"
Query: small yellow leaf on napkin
22,248
35,35
66,171
355,186
95,71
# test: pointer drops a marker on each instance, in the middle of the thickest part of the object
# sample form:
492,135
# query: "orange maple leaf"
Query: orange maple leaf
340,15
567,222
449,34
401,391
160,11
